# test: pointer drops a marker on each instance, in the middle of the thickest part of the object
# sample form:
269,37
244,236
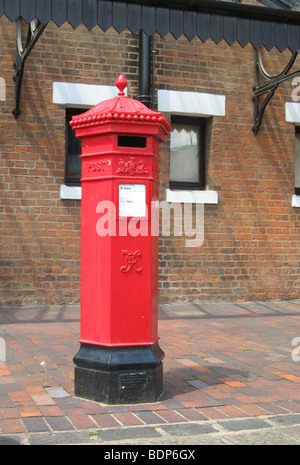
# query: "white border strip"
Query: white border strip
70,192
67,93
296,201
292,112
191,103
180,196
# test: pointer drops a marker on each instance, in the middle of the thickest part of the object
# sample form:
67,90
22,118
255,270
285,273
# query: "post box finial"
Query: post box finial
121,83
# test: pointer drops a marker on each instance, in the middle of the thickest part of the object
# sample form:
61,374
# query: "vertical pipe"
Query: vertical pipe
145,70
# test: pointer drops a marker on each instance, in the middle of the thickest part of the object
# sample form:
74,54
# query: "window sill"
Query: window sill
206,197
190,196
296,201
191,103
70,192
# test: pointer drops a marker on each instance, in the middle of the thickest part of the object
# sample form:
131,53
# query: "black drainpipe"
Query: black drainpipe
145,70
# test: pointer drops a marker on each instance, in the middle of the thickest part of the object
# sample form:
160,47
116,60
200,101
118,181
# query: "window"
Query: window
73,150
297,161
187,153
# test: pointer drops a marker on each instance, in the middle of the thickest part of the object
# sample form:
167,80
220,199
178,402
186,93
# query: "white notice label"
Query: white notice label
132,200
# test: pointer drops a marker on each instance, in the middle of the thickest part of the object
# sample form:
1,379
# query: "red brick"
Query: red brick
212,413
105,421
19,396
51,410
128,419
82,421
10,426
4,371
232,382
9,413
232,411
29,409
191,414
253,410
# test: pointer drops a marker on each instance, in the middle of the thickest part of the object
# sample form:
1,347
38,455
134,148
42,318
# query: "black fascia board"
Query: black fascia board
224,8
12,9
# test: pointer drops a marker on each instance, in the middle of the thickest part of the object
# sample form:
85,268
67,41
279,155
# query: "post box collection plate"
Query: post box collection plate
132,200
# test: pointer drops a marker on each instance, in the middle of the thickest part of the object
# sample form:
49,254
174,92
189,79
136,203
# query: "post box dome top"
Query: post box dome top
118,109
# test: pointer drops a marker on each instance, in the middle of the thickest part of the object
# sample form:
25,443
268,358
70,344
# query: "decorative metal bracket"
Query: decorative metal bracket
269,87
35,29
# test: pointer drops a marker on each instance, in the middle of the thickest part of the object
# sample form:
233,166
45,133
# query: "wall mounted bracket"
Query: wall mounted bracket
35,29
269,87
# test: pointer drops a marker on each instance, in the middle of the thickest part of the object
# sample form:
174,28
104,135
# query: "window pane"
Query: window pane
184,154
74,167
73,150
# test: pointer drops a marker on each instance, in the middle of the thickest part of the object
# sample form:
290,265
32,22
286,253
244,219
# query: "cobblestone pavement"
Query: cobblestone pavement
231,376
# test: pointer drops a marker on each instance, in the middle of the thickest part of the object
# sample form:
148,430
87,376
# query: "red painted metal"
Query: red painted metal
119,270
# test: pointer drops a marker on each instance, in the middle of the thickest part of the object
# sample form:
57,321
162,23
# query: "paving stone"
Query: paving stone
264,437
248,424
196,383
188,429
286,420
35,425
218,345
56,391
60,423
67,438
191,414
128,419
171,416
150,418
10,441
11,425
82,421
128,433
292,432
171,403
105,420
71,402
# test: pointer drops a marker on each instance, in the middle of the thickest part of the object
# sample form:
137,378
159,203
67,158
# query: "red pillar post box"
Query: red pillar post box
119,360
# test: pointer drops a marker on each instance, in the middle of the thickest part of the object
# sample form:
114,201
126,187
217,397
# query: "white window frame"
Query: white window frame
81,96
191,104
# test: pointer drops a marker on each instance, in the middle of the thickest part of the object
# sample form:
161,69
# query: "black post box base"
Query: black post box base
119,375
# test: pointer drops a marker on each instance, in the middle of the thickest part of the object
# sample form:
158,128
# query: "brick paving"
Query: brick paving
223,361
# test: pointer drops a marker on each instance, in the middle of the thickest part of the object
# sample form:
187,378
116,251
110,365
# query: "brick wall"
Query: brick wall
250,249
40,234
251,241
